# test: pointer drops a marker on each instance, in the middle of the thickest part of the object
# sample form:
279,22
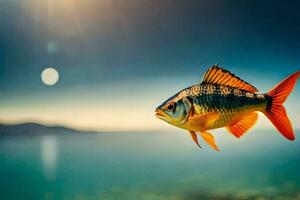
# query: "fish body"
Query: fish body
228,102
224,100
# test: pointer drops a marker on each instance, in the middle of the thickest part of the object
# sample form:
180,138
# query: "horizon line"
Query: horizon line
96,130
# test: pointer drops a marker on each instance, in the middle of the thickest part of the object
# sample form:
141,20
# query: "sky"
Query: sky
117,60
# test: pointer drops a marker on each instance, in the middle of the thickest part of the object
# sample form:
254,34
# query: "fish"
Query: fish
223,99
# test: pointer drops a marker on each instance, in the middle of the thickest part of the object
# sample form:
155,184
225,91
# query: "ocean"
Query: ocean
147,165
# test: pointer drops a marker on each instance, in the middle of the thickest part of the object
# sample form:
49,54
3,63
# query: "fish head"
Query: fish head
174,110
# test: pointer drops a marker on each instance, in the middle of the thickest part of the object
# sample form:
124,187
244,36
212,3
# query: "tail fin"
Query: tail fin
276,112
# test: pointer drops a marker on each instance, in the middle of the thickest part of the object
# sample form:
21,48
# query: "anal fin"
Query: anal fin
243,124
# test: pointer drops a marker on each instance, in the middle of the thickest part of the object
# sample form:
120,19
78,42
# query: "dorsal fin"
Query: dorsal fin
217,75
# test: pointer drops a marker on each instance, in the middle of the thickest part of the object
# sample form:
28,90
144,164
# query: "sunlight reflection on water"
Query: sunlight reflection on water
49,156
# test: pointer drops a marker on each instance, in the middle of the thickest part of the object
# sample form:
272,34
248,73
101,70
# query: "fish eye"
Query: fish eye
171,106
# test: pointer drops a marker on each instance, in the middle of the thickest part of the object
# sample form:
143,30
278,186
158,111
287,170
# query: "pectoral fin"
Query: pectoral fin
201,122
209,138
194,137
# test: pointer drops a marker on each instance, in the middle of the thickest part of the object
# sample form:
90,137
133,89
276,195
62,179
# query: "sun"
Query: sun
50,76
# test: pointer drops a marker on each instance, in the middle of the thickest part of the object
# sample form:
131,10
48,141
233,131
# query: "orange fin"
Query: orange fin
200,122
281,121
217,75
194,137
209,138
244,124
276,112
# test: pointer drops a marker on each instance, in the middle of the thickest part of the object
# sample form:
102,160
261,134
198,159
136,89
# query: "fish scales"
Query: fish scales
230,104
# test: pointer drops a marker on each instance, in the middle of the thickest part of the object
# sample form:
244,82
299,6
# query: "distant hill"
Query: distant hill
36,129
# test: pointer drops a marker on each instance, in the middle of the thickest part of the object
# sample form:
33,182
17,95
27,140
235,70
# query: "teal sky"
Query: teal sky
118,60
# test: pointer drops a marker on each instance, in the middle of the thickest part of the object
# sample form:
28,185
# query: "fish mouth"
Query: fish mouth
159,114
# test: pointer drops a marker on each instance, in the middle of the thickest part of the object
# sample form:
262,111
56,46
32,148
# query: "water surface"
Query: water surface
148,165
